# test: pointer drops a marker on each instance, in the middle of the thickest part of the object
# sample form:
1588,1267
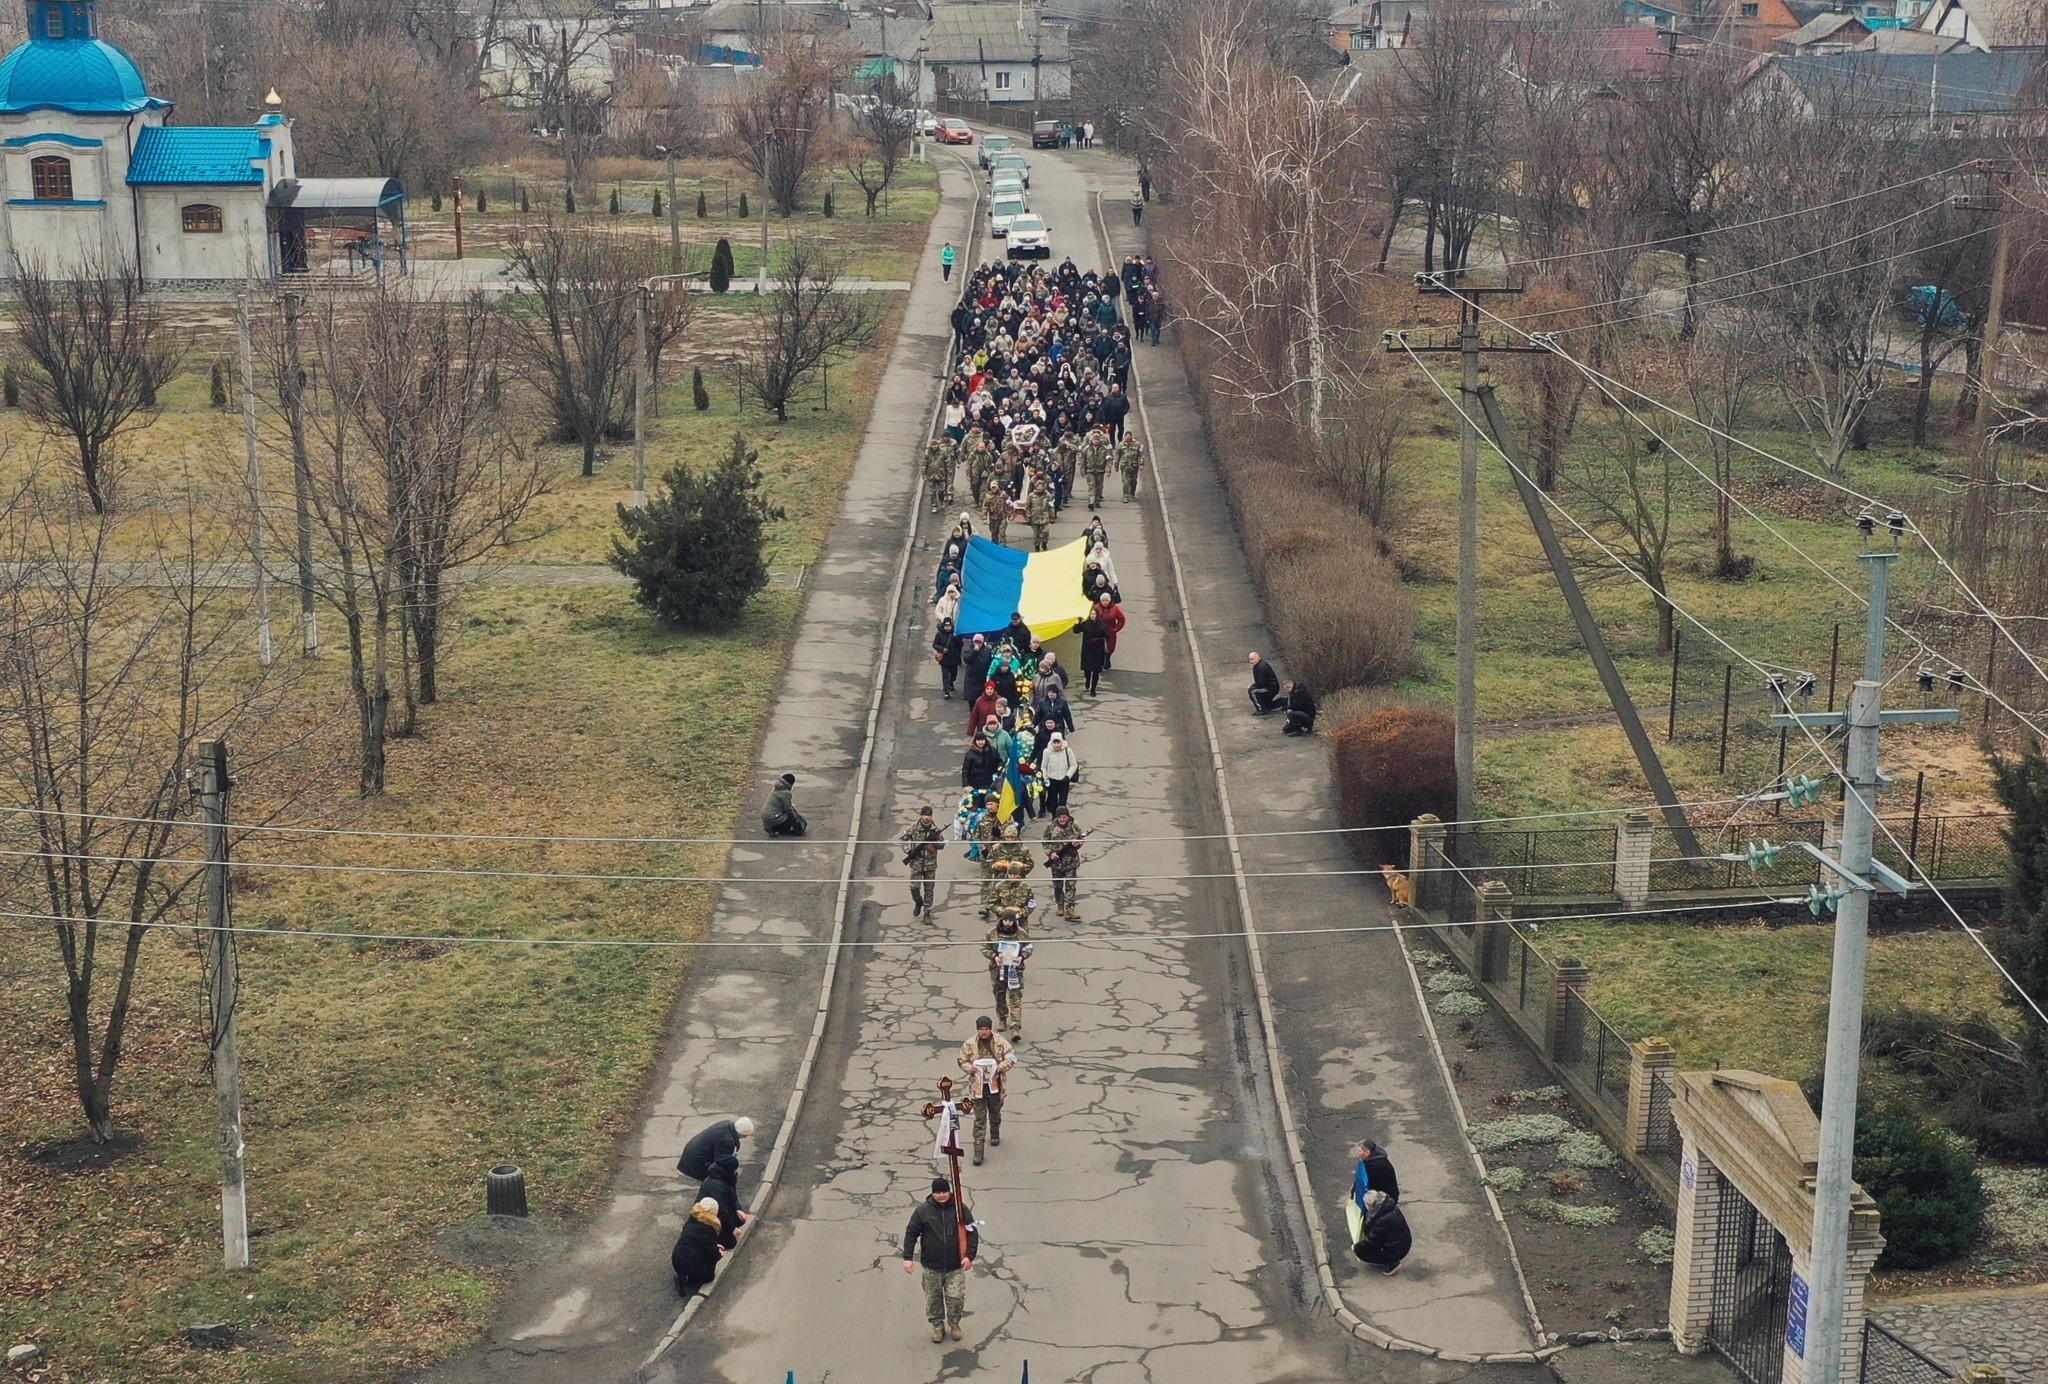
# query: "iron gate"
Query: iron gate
1752,1285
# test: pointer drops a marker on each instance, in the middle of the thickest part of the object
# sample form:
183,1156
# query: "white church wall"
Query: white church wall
238,248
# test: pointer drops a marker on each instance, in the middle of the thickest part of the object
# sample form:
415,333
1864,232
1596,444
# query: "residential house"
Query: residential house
1745,23
890,45
532,43
1376,24
1604,62
1001,53
1912,41
1966,95
1832,32
1988,24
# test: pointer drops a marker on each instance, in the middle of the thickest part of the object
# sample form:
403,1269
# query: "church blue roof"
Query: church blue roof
216,154
82,75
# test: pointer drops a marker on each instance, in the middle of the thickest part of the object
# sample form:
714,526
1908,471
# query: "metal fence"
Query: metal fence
1568,860
1889,1360
1590,1049
1529,979
1944,848
1661,1139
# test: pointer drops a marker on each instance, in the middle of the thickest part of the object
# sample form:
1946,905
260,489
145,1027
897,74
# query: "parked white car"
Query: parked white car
1001,212
1029,236
1014,163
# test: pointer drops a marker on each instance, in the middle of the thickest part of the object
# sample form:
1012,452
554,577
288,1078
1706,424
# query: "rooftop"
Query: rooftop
964,33
208,154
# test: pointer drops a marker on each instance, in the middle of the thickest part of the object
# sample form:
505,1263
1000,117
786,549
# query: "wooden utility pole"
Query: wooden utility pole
457,180
211,782
292,389
264,652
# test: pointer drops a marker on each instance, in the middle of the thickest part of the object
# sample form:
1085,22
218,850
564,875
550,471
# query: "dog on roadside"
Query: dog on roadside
1399,886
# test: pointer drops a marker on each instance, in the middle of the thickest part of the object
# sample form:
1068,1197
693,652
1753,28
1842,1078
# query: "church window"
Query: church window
52,178
53,21
202,216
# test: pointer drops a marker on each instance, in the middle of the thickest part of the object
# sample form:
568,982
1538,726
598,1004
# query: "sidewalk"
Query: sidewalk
1354,1046
742,1027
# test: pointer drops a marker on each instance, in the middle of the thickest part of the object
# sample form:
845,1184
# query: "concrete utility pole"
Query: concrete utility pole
292,386
211,782
640,394
457,198
1468,561
675,221
265,654
1860,876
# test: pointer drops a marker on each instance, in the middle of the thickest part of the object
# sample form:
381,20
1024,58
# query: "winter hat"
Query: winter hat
1058,739
984,1022
925,811
789,780
743,1127
708,1204
939,1184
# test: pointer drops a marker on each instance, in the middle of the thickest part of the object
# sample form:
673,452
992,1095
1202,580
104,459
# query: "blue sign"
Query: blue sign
1795,1317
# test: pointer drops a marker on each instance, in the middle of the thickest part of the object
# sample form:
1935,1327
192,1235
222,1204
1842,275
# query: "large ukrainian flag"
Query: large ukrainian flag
1045,588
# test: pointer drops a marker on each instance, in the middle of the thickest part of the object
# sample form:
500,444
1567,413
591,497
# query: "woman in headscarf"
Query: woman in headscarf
1098,556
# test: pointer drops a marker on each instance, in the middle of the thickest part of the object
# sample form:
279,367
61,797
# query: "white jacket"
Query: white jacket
1059,762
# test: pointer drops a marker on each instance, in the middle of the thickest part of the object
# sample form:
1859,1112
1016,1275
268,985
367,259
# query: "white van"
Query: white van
1001,212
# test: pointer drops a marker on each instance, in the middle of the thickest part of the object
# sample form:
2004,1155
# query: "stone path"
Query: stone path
2009,1330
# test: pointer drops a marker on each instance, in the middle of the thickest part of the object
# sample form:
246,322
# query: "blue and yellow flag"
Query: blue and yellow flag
1045,588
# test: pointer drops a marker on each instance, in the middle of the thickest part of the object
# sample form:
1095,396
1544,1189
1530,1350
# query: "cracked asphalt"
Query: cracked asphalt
1139,1221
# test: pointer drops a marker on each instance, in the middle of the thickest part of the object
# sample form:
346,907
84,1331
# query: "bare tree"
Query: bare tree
98,350
1267,244
1688,122
805,321
417,475
882,134
575,335
1440,120
1630,485
113,670
556,56
1722,377
780,116
375,102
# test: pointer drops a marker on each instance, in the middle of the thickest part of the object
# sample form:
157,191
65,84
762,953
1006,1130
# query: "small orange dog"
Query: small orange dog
1398,885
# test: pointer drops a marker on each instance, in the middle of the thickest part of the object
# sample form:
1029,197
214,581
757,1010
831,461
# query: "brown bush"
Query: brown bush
1392,766
1343,618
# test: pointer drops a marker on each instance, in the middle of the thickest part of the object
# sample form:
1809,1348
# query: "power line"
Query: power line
1742,225
21,921
750,841
327,867
1834,766
1919,532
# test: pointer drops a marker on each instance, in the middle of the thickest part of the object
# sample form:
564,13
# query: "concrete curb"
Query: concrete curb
1333,1301
771,1173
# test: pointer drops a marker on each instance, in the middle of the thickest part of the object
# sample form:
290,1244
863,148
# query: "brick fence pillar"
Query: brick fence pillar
1490,933
1632,861
1694,1249
1648,1060
1566,1030
1425,869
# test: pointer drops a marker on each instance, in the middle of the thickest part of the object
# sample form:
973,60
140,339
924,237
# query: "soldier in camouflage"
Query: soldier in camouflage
1095,464
1038,512
1063,857
1129,455
938,472
923,838
995,507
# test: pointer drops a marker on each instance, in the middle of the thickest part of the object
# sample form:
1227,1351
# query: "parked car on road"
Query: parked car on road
993,145
1015,163
1045,134
1029,236
951,131
1009,185
1001,212
927,124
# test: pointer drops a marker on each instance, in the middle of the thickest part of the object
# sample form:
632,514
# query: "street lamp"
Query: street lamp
642,383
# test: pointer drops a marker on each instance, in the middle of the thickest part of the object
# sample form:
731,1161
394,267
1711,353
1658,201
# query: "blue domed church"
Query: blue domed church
94,172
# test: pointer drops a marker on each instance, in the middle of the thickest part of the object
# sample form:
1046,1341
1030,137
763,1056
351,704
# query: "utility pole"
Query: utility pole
675,219
640,384
1479,401
211,783
1977,500
292,388
768,139
457,180
1860,875
265,654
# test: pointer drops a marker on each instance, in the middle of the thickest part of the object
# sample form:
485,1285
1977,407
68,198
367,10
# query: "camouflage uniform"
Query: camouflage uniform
1006,889
924,837
986,832
1095,465
1065,866
1008,999
977,463
938,472
1128,456
995,507
1038,511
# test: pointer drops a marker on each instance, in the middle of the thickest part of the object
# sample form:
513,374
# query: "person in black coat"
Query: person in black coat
1384,1239
1094,633
722,1185
946,652
1375,1170
697,1251
1301,709
975,657
978,769
711,1143
1117,406
1019,633
1265,688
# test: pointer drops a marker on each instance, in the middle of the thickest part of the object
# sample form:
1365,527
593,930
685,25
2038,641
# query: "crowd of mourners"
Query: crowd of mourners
1035,413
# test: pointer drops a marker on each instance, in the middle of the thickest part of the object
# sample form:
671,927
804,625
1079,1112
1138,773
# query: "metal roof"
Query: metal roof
82,75
209,154
966,33
336,194
1860,82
